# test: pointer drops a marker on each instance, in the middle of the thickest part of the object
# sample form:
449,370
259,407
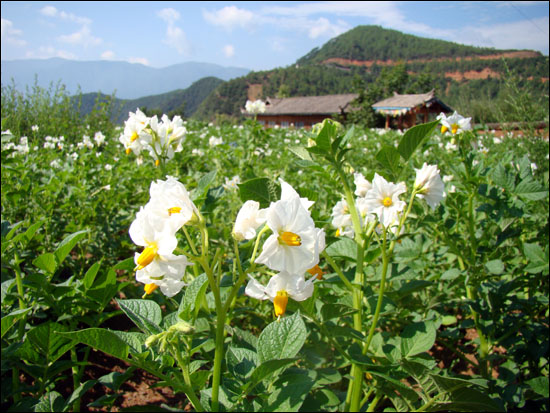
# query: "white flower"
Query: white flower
152,233
134,137
99,138
288,192
429,185
165,271
170,202
279,288
249,219
214,141
361,184
454,123
341,219
255,107
383,199
34,128
295,244
232,183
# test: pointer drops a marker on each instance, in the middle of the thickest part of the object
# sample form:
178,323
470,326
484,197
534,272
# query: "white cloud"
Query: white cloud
83,37
323,27
50,11
229,50
108,55
230,17
169,15
175,36
524,34
140,60
46,52
11,35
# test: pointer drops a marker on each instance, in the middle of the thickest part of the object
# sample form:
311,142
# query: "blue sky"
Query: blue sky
253,35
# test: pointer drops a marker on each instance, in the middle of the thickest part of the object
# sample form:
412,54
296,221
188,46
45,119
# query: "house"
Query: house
305,111
410,109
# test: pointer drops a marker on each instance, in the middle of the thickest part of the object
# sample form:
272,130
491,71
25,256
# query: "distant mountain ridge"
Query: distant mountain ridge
128,80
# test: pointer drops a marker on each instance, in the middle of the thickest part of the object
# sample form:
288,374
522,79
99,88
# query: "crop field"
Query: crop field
173,265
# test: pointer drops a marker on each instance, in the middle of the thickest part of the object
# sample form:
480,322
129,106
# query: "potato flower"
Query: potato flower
341,219
165,271
279,288
454,123
429,185
134,137
249,219
255,107
154,234
295,244
361,184
383,200
170,201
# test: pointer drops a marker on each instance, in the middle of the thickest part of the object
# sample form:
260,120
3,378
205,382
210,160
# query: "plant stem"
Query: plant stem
483,342
189,392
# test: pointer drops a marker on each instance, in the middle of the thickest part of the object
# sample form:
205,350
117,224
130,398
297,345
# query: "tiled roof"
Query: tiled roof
309,105
407,102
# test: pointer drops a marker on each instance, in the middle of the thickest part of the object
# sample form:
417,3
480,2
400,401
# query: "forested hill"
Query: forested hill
469,79
376,44
183,102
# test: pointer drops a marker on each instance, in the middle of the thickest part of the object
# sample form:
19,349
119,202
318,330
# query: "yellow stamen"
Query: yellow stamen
444,129
128,150
316,271
174,210
157,162
337,234
454,128
289,238
147,256
134,136
387,202
149,288
280,302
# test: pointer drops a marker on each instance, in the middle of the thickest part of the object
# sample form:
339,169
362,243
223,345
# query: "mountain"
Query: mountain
467,78
184,101
127,80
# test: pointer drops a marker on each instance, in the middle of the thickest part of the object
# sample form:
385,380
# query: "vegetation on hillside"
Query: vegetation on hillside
377,43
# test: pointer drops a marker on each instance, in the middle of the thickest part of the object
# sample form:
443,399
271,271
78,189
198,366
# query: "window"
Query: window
284,124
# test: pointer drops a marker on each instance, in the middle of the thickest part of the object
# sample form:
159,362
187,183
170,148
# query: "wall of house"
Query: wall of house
285,121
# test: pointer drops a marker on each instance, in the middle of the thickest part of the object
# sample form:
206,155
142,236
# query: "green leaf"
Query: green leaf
9,320
47,341
290,392
67,245
50,402
343,248
267,368
46,262
326,135
202,186
531,190
538,259
417,338
330,311
146,314
282,338
414,137
261,190
388,157
193,295
78,393
462,396
539,385
301,153
90,275
100,339
241,361
495,266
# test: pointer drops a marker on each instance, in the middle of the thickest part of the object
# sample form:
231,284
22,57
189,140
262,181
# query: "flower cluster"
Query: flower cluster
292,249
160,138
255,107
154,229
379,201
